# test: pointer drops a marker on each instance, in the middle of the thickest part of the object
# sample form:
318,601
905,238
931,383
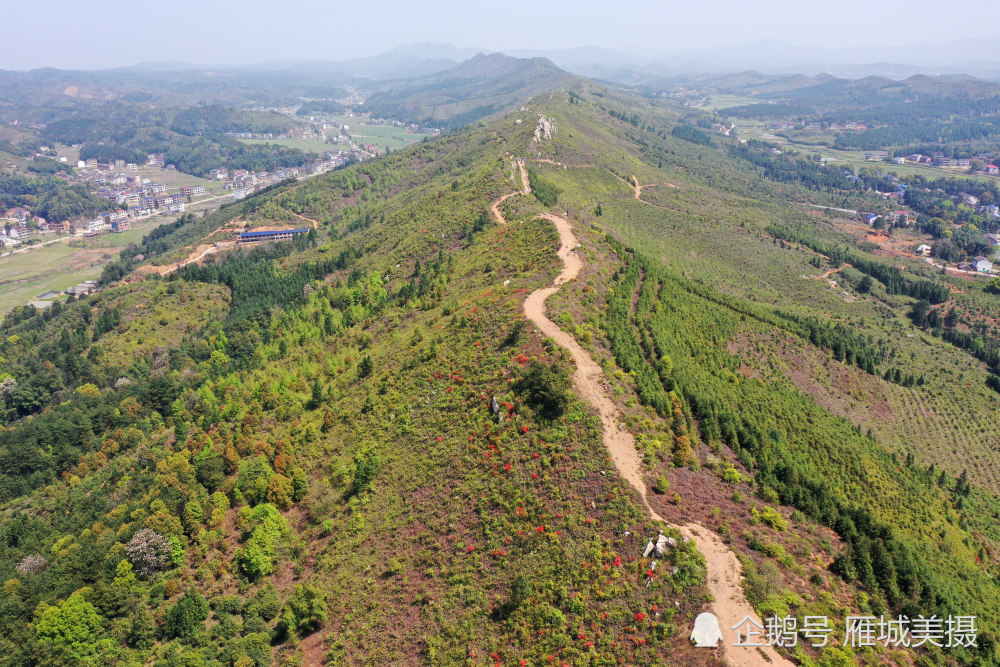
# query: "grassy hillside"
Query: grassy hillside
309,470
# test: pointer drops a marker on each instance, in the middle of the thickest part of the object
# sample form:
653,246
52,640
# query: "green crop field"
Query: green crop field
25,275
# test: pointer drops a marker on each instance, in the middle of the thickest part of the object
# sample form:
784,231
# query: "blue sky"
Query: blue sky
88,34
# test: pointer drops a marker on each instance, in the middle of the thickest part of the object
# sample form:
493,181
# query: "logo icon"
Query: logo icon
706,633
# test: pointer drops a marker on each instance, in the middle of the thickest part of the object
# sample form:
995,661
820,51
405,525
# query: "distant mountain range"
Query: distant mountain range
437,83
971,57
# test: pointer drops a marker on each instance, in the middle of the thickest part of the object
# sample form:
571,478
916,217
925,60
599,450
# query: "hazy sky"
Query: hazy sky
86,34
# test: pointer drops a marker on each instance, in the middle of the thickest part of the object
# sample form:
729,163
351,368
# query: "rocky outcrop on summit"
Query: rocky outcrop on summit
544,129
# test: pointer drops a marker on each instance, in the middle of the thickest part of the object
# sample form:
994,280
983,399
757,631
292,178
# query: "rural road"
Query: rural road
724,570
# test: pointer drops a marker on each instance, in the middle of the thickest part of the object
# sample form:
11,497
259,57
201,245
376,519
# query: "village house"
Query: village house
86,287
992,169
923,249
982,265
876,156
900,218
941,161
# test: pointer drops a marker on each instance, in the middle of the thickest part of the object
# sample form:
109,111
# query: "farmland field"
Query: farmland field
25,275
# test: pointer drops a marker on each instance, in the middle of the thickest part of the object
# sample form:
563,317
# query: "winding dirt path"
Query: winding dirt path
724,570
525,190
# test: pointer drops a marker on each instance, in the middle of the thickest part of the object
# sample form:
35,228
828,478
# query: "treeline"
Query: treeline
192,139
793,170
944,326
920,131
691,134
891,276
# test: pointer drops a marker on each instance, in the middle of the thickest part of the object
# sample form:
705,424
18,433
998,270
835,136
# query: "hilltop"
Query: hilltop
480,86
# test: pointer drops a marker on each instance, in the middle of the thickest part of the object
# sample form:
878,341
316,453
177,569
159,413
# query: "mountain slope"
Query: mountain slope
314,470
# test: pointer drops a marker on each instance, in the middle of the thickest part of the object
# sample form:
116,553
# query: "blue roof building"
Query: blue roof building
272,235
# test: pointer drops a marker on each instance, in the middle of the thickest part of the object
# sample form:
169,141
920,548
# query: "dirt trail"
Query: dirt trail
199,253
525,190
315,225
724,570
829,273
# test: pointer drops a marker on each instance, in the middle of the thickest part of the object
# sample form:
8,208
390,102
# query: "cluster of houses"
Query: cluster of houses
19,224
139,202
243,182
936,160
894,219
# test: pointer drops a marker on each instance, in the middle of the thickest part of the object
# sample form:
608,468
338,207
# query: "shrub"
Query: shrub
256,559
186,616
366,469
254,477
304,612
732,476
662,484
544,388
279,492
520,591
771,517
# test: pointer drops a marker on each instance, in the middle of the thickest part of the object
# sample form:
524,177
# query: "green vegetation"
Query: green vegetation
192,139
544,389
265,421
291,450
546,192
50,197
